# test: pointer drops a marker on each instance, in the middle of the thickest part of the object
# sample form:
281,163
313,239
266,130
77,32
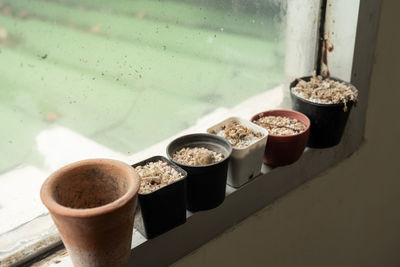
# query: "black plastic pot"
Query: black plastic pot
161,210
206,184
328,121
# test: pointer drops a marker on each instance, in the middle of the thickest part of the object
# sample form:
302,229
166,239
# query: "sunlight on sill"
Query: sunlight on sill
60,146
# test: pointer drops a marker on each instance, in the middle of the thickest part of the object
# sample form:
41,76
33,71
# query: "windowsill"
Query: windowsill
240,203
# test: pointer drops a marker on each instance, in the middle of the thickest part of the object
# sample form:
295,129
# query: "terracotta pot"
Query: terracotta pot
206,185
163,209
284,150
328,121
92,203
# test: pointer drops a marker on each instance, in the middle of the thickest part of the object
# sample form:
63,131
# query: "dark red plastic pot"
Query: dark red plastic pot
284,150
164,209
328,121
206,185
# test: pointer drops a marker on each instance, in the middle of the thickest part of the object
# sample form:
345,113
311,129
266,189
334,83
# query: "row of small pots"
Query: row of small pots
93,202
204,187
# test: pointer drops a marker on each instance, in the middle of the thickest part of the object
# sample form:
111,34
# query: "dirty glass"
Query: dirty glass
120,76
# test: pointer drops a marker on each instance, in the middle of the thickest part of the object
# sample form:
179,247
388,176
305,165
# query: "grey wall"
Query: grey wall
349,215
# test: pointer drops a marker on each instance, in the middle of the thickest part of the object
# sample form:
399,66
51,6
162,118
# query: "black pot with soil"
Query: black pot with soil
205,157
328,110
162,196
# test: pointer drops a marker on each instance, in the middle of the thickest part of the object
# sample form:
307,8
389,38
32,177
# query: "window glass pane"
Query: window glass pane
118,76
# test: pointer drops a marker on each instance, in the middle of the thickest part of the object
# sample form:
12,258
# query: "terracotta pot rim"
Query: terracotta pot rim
283,137
56,208
341,104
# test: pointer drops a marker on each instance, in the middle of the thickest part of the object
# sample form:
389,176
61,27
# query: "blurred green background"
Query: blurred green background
127,74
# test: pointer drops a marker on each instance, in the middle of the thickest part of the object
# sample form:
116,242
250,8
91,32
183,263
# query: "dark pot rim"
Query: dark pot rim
208,136
169,162
341,104
277,111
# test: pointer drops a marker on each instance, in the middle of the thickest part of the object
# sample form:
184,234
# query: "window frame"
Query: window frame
273,182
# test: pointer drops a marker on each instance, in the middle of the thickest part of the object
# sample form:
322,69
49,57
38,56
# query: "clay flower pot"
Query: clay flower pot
206,184
245,162
285,149
92,203
163,209
328,121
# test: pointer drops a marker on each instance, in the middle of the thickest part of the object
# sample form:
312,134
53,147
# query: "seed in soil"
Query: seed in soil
325,91
278,125
238,135
155,175
197,156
